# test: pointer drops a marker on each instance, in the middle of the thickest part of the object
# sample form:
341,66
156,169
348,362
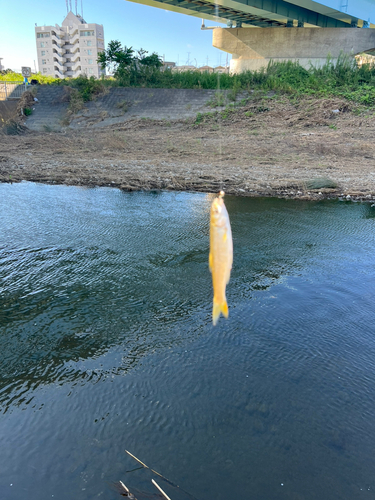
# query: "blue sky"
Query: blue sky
167,33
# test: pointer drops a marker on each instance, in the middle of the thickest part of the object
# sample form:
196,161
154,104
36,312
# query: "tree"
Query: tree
122,61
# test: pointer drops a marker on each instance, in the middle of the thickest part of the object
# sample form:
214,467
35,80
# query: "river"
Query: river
106,344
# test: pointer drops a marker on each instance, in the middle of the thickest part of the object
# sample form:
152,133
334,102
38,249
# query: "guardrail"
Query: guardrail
11,90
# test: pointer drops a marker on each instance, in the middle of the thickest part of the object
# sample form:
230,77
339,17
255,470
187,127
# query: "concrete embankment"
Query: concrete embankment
116,106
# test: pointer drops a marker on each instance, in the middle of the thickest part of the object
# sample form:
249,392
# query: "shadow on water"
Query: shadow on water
126,284
106,320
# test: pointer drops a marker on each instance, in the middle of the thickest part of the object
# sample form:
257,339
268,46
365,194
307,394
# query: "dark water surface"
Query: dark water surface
106,344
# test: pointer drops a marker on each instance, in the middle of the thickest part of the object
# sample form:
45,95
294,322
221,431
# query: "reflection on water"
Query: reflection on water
106,343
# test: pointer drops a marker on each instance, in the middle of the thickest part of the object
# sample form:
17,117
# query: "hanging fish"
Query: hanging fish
221,255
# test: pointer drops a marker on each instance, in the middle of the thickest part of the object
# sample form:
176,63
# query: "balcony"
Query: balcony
58,64
74,39
57,40
58,48
77,65
58,57
58,73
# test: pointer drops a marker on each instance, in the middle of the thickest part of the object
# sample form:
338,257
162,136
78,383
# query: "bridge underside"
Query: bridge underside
279,30
261,13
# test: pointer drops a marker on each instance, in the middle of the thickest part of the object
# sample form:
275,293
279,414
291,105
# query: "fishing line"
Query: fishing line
220,94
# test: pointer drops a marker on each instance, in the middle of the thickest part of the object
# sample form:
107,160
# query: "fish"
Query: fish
221,255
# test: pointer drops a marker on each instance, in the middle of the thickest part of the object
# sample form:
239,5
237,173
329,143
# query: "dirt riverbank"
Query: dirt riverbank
312,149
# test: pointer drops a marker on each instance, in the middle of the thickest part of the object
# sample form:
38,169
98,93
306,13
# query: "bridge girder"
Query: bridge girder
260,13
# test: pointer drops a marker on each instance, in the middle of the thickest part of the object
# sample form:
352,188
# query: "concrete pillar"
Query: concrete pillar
253,48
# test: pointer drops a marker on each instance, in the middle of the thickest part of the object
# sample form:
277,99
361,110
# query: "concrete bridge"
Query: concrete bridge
303,30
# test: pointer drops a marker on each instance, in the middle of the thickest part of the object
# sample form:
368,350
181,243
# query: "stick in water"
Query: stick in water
161,491
154,471
160,475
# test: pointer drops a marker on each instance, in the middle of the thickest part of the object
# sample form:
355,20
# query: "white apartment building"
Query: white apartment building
70,50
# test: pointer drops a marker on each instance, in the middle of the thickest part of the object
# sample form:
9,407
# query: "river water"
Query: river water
106,344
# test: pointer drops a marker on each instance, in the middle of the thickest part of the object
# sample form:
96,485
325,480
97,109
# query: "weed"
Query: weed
123,105
242,102
217,101
76,102
12,127
65,121
202,117
320,183
198,119
225,114
341,78
333,127
27,111
232,93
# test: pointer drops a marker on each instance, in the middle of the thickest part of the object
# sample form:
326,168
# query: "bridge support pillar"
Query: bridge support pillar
253,48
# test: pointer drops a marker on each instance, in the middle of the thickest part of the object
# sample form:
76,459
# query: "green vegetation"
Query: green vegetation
87,88
129,67
343,78
10,76
219,99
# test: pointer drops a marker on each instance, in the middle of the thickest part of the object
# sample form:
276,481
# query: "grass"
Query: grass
343,78
17,77
217,100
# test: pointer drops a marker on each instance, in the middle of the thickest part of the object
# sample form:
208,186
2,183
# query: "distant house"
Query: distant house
186,67
169,65
206,69
221,69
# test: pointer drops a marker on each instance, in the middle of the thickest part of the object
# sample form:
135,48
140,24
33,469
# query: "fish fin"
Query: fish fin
218,308
210,261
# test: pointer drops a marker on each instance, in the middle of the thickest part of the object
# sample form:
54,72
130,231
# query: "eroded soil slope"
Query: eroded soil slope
313,148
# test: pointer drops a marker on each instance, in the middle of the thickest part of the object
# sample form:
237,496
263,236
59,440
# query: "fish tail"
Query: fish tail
219,307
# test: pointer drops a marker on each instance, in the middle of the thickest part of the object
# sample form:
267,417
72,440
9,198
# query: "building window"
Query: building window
89,52
44,70
90,61
42,35
43,52
91,71
86,33
42,44
44,61
89,43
